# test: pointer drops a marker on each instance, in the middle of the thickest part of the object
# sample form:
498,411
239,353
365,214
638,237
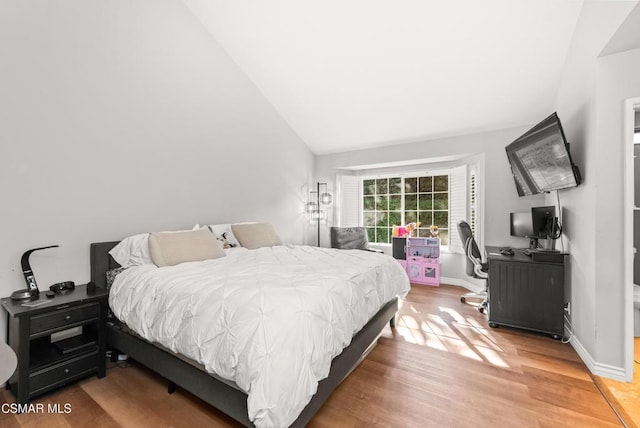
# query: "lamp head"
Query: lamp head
311,207
318,215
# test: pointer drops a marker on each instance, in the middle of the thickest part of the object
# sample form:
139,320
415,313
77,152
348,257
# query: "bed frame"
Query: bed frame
222,394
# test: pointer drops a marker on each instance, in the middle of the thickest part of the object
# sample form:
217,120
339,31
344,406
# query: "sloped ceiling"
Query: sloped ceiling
363,73
627,36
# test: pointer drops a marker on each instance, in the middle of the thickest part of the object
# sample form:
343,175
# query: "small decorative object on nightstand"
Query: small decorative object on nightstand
39,331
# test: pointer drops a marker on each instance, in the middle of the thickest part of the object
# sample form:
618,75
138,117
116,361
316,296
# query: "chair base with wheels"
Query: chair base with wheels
476,268
482,295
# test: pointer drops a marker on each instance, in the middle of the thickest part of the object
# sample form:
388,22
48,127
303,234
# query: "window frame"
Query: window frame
403,175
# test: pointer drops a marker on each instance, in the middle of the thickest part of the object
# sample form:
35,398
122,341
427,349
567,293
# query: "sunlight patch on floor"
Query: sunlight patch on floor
456,316
439,326
492,356
477,336
474,323
410,322
434,342
411,335
451,332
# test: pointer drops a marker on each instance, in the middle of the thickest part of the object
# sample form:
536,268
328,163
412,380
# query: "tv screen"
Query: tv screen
540,160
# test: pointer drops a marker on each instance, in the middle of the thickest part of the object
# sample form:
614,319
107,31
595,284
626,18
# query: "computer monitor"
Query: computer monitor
541,219
532,225
521,225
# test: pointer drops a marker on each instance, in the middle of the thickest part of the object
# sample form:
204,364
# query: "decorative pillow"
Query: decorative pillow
224,232
132,251
256,235
172,248
111,276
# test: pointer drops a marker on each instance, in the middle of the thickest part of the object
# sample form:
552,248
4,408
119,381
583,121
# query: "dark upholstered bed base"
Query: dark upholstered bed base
224,395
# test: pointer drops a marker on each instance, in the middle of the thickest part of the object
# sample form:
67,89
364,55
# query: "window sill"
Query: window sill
443,249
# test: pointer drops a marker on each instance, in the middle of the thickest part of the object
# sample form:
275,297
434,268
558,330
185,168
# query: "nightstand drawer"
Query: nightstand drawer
59,372
64,317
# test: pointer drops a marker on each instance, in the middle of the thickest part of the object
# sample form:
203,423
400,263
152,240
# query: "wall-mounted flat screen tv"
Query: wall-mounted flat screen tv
540,160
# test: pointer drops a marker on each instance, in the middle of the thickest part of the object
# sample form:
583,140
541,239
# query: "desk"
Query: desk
528,291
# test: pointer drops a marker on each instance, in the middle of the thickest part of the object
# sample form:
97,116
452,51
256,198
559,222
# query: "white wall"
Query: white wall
120,117
500,194
618,80
596,257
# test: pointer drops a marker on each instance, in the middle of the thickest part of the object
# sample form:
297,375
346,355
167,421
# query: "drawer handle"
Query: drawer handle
66,371
68,317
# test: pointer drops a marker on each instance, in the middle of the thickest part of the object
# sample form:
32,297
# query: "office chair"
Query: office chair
476,268
350,238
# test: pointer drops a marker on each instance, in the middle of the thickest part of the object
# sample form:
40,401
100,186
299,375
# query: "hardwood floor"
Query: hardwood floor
625,396
442,367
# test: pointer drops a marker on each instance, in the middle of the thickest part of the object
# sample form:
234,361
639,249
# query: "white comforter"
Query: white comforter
271,319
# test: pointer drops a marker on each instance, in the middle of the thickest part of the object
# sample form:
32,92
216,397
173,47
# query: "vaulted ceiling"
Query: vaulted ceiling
353,74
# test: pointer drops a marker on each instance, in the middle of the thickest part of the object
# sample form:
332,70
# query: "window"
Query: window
396,201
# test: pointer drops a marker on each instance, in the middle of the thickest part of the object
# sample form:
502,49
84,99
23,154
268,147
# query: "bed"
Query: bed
185,366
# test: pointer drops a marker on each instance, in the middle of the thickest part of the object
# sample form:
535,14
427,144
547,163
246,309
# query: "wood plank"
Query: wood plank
83,410
625,396
123,406
442,366
7,419
175,409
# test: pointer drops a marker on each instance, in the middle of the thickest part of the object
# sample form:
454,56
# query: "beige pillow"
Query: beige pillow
172,248
255,235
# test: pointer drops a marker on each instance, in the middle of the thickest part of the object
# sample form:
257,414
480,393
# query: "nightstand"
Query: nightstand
46,359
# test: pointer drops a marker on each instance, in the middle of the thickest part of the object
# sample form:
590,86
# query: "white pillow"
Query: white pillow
132,251
224,231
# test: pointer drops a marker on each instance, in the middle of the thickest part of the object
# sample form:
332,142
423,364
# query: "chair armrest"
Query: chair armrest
478,266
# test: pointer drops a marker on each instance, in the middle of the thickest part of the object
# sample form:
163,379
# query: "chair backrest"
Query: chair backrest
470,246
349,238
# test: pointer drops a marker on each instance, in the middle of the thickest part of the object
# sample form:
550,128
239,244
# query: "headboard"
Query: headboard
101,262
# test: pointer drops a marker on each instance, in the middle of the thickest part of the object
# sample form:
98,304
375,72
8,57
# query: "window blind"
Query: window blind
457,206
349,200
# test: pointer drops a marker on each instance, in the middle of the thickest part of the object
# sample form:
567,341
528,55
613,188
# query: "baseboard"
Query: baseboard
462,283
610,372
599,369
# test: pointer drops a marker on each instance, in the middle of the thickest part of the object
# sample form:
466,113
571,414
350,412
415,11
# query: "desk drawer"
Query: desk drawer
64,317
59,372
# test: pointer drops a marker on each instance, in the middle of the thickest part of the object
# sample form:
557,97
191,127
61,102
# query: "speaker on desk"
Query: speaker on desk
548,257
399,248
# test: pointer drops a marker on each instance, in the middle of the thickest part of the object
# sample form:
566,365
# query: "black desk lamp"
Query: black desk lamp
32,287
